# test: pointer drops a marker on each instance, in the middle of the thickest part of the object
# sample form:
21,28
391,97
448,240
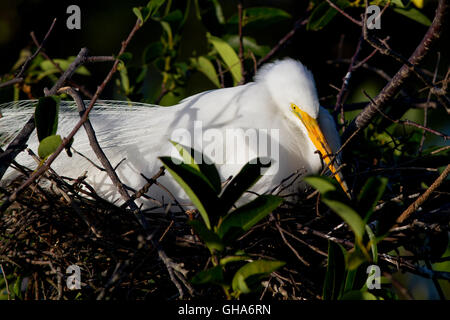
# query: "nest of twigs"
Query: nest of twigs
50,228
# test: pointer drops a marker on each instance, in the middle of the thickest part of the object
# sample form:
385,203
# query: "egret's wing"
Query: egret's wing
14,115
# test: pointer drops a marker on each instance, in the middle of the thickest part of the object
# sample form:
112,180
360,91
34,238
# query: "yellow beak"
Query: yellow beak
318,139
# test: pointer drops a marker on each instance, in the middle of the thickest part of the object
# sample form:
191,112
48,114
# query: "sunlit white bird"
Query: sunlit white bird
281,103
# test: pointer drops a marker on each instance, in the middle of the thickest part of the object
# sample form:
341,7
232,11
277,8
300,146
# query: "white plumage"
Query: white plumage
140,133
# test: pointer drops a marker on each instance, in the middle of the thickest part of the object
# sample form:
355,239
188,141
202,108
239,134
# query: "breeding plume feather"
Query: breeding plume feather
280,107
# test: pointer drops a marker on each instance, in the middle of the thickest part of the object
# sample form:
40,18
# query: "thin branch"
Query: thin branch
19,142
346,82
6,281
416,204
98,150
345,14
297,25
145,188
57,66
299,257
241,42
394,86
408,122
66,140
29,59
425,113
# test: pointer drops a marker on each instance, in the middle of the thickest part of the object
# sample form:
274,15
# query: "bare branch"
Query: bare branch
66,140
394,86
416,204
18,77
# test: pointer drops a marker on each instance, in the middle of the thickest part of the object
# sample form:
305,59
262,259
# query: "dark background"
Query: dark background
105,24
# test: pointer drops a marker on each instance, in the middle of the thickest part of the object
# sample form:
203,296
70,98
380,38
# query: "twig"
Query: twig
297,25
378,71
18,144
359,23
241,42
416,204
99,152
406,265
394,86
11,82
19,75
315,249
412,103
399,286
345,83
280,230
6,281
66,140
145,188
57,66
408,122
220,72
425,113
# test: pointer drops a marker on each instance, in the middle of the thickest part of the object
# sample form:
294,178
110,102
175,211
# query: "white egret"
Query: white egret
281,105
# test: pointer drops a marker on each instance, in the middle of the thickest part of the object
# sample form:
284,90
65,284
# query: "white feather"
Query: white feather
140,133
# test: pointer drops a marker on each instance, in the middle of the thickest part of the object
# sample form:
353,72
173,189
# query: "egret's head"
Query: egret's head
289,82
293,90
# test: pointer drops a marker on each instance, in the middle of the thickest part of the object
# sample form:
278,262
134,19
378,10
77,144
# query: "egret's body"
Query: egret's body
141,133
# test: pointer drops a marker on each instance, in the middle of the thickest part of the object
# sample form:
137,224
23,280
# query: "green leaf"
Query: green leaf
370,194
49,145
323,14
397,3
205,66
196,186
354,258
124,80
46,116
350,216
213,275
16,288
253,272
224,261
414,14
243,218
211,239
350,280
260,16
154,5
174,17
335,275
243,181
125,57
331,196
153,51
201,163
322,184
50,68
219,12
141,13
249,44
358,295
166,27
373,244
228,55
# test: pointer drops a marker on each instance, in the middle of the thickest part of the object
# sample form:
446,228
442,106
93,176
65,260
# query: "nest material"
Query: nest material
49,229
